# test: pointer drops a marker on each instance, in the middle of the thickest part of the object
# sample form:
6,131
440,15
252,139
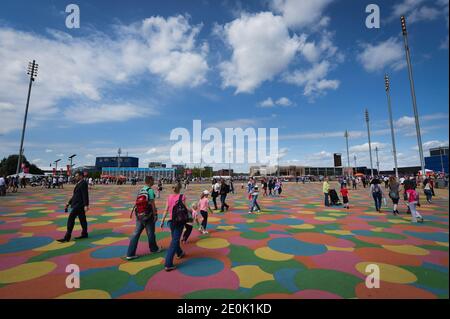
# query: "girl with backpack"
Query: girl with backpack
394,193
178,201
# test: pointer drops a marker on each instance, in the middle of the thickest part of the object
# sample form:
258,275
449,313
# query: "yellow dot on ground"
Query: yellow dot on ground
337,214
46,211
398,221
64,228
270,254
339,232
91,219
250,221
250,276
213,243
55,246
136,266
35,224
111,214
86,294
407,249
389,273
441,243
303,226
339,248
108,240
119,220
226,227
213,219
325,219
307,212
25,234
14,214
26,272
377,229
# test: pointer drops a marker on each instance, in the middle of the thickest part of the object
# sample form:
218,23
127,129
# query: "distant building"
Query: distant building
179,169
438,159
139,172
113,161
223,172
156,165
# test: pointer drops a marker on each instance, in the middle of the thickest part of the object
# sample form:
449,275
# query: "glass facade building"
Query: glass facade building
139,172
112,161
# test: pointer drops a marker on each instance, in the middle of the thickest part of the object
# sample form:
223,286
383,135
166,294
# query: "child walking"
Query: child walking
254,198
344,193
413,202
190,224
203,206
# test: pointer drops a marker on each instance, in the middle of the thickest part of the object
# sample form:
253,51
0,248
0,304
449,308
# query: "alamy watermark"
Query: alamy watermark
237,146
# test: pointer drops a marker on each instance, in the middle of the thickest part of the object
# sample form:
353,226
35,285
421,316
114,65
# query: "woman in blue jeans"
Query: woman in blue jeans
377,193
175,230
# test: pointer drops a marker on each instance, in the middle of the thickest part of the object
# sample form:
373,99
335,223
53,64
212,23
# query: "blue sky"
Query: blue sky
135,70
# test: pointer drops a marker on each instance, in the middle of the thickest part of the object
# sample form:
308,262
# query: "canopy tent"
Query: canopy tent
428,172
359,174
26,175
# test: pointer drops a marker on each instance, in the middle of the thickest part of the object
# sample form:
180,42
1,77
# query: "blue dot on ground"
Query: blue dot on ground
109,252
26,243
287,221
296,247
201,267
428,236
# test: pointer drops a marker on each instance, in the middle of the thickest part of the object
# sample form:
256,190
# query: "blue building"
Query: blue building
111,161
438,159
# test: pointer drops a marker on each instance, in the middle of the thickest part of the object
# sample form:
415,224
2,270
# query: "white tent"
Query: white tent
27,175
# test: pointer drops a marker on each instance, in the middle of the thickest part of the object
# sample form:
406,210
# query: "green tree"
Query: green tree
8,165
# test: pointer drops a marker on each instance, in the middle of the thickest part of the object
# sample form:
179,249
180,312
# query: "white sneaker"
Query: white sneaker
205,232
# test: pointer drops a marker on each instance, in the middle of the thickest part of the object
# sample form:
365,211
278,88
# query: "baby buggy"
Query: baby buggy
334,198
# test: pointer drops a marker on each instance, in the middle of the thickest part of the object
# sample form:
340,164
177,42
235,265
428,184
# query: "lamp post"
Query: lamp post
348,154
356,167
370,144
378,162
394,149
413,93
32,72
70,158
56,163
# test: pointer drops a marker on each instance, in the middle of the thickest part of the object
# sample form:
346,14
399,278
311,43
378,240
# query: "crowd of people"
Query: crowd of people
197,212
408,186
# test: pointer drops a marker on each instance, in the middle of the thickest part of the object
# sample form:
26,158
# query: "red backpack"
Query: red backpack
142,206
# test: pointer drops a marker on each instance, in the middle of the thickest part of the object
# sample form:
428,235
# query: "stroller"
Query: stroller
334,198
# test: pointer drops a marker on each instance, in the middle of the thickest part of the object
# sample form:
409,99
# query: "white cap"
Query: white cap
205,192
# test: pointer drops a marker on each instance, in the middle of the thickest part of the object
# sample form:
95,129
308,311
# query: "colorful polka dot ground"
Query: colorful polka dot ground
294,248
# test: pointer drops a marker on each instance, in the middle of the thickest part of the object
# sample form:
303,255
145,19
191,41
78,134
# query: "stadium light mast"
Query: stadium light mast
32,72
119,151
378,162
370,144
348,154
413,93
394,149
56,163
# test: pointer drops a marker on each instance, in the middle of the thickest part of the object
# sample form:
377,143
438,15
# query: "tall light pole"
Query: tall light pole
378,162
119,151
413,93
32,72
56,163
356,167
348,154
394,149
70,158
370,144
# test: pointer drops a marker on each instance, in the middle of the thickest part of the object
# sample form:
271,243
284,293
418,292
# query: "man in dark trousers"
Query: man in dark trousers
80,205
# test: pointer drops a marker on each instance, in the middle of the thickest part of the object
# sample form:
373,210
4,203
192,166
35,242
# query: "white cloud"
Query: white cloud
301,13
89,156
313,79
386,54
431,144
48,151
36,160
405,121
365,147
82,68
257,56
282,101
105,113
